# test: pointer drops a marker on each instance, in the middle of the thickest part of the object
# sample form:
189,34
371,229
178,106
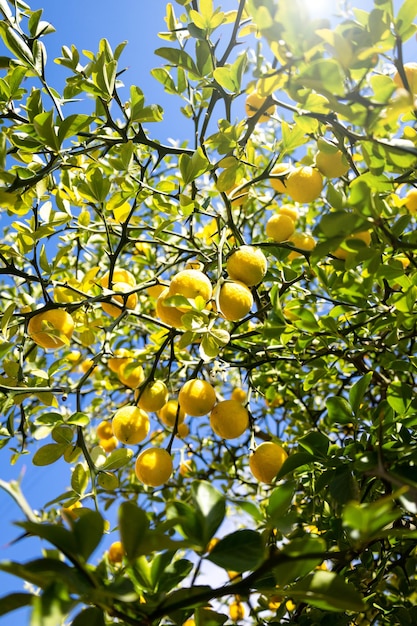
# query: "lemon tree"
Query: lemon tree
208,328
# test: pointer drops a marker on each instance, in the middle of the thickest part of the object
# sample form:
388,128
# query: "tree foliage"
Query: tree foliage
325,356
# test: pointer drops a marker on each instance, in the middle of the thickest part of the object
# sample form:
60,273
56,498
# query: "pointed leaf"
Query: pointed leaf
327,591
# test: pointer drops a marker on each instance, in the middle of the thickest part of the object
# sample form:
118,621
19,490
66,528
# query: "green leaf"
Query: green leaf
58,536
72,125
298,566
133,526
191,167
92,616
240,551
316,443
48,454
88,531
117,459
187,521
338,410
298,459
327,591
44,125
366,520
230,76
210,507
358,390
400,396
14,601
405,17
280,501
179,58
79,479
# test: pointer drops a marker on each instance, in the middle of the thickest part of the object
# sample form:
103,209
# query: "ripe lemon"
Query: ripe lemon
343,254
280,169
304,184
332,164
229,419
153,466
131,374
236,611
109,444
168,413
104,430
155,291
190,284
154,396
410,200
254,102
51,329
235,300
238,196
291,211
116,552
247,264
182,430
239,395
302,241
168,314
410,70
197,397
130,425
266,461
280,227
122,281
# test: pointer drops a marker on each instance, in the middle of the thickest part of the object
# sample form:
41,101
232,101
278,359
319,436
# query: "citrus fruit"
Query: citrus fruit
304,184
153,466
130,373
254,102
235,300
302,241
410,70
190,284
155,291
332,164
108,444
410,200
168,314
122,281
154,396
291,211
104,430
51,329
168,413
280,227
229,419
130,425
116,552
186,467
266,461
197,397
182,430
283,170
239,395
238,196
247,264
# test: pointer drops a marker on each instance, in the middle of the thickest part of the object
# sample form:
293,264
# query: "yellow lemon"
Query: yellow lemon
254,102
168,314
131,374
153,467
108,444
130,425
51,329
291,211
236,611
122,281
266,461
182,430
283,170
168,413
104,430
343,254
247,264
280,227
304,184
116,553
410,70
302,241
154,396
190,284
410,200
235,300
229,419
332,164
239,395
197,397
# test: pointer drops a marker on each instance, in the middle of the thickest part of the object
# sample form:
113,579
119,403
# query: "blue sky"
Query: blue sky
83,23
